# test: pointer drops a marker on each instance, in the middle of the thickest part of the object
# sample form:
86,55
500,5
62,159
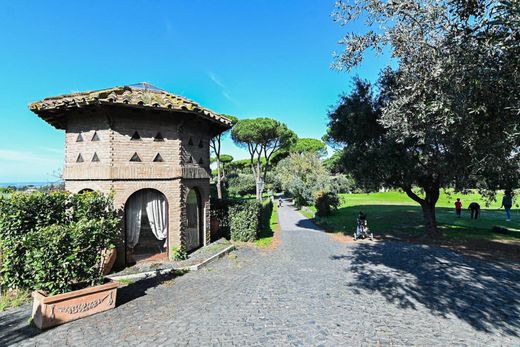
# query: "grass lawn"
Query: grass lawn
265,237
395,213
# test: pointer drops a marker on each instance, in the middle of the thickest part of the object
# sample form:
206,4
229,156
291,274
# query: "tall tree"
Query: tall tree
449,114
215,145
263,137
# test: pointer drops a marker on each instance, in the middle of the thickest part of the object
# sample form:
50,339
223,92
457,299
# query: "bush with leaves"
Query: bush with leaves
244,220
326,203
53,241
241,185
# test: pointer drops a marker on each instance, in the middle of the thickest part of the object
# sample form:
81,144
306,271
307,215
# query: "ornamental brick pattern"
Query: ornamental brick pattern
119,138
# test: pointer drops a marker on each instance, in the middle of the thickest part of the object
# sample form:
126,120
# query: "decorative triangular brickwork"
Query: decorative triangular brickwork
190,142
135,137
95,158
158,137
201,144
79,159
135,157
80,138
158,158
95,137
201,161
190,160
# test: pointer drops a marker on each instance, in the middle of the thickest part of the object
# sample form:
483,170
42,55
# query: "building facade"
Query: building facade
149,148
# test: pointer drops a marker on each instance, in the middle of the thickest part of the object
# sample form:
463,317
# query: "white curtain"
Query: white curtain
133,219
156,211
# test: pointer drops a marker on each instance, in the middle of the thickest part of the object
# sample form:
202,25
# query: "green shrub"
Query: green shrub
220,212
265,214
179,253
244,218
53,241
241,185
241,220
326,203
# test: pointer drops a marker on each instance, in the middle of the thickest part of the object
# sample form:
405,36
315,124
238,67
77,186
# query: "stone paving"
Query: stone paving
310,291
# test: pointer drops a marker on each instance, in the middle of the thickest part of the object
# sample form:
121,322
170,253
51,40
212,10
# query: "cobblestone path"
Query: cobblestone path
309,291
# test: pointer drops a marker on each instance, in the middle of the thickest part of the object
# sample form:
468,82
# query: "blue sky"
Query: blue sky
247,58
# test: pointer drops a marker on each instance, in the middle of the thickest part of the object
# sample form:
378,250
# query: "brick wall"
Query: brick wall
114,172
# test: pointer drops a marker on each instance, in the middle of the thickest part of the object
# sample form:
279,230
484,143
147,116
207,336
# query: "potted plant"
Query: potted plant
60,245
68,265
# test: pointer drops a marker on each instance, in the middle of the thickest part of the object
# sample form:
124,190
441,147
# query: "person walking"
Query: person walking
475,210
507,203
458,207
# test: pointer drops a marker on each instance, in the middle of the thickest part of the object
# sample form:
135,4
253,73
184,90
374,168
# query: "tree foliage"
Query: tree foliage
263,137
215,145
449,114
303,175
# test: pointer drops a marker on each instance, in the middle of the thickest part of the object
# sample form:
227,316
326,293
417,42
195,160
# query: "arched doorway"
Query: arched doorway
146,226
194,234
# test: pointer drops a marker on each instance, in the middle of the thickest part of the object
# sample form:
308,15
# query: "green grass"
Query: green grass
265,237
13,298
395,213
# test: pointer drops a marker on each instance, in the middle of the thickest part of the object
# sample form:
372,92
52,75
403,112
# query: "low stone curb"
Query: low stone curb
148,274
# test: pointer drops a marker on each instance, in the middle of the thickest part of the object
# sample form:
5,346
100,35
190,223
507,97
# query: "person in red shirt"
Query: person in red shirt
458,207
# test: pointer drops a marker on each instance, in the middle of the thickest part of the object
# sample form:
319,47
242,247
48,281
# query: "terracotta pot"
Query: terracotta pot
49,311
108,258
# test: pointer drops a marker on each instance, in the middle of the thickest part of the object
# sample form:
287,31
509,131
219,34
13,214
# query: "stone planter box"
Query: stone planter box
49,311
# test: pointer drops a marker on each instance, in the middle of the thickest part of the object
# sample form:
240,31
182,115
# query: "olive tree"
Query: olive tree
449,113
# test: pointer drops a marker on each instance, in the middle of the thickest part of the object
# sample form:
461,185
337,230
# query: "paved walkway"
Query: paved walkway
310,291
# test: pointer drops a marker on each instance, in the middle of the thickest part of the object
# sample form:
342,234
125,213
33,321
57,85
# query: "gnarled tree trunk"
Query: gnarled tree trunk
428,208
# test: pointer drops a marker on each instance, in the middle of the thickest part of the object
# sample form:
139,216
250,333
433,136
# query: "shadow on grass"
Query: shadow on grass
483,294
139,288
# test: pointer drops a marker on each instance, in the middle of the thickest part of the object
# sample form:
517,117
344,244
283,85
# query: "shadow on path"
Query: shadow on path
308,224
485,295
14,326
139,288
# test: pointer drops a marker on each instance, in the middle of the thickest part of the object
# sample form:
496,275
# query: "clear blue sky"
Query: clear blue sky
246,58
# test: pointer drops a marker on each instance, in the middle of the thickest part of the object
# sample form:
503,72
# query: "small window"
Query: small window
201,161
135,158
136,137
201,144
158,158
158,137
80,138
79,159
190,142
95,158
95,137
190,160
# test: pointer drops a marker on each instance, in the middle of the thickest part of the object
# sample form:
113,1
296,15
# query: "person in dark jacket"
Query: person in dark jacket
475,210
507,203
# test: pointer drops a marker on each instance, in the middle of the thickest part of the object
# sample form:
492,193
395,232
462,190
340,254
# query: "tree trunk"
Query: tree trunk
430,220
219,182
428,207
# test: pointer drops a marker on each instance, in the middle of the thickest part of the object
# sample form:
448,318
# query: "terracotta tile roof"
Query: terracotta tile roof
141,95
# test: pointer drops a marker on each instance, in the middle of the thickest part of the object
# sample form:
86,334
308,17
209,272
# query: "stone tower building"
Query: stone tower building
151,149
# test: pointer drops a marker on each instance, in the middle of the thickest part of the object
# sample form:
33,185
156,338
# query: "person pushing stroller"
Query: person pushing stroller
362,230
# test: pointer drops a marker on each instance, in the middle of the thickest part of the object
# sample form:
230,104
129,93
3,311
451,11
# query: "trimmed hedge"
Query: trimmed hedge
326,203
53,241
244,221
241,220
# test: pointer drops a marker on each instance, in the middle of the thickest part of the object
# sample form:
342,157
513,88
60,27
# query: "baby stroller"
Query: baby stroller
362,230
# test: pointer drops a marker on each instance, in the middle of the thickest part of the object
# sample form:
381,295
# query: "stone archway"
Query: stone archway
195,220
146,226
